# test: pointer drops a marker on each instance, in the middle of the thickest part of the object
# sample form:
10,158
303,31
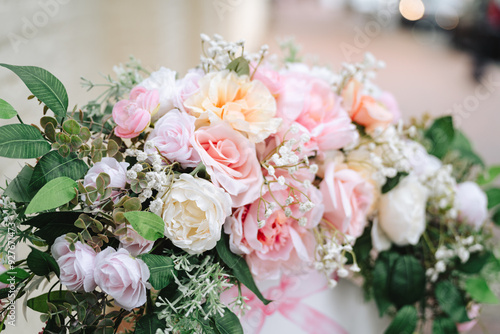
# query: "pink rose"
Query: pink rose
472,313
347,197
311,102
186,87
122,277
231,161
133,242
172,135
391,104
133,116
116,170
269,77
472,204
162,81
364,109
77,268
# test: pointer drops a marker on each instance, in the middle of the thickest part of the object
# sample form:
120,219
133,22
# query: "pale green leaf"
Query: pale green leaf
22,141
147,224
6,110
52,195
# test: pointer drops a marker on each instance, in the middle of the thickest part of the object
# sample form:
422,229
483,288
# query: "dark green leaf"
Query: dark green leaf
147,224
496,217
404,322
6,110
451,301
493,195
46,87
393,182
4,293
148,324
22,141
161,269
41,263
478,289
55,193
489,176
17,190
407,281
229,323
53,165
240,66
381,276
54,224
18,274
475,263
444,325
40,303
239,267
441,134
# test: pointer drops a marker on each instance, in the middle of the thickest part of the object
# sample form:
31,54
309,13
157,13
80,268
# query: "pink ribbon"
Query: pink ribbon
287,300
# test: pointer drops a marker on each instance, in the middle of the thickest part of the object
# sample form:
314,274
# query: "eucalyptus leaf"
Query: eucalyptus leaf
147,224
55,193
22,141
161,269
6,110
46,87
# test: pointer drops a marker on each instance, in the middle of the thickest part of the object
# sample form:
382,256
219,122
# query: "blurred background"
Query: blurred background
441,55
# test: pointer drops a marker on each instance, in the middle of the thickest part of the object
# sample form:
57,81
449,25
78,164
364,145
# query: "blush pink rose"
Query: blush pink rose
231,161
172,137
472,204
364,109
269,77
122,277
347,197
77,268
133,241
186,87
117,172
133,116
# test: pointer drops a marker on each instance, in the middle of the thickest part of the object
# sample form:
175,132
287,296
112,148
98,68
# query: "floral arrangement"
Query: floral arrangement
159,206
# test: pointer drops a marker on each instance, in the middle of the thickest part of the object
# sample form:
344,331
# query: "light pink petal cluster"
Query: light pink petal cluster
133,242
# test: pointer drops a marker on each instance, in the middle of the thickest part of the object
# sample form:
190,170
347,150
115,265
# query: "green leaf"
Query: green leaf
18,274
407,281
148,324
381,276
6,110
22,141
41,263
393,182
496,217
147,224
463,146
46,87
161,269
51,225
489,176
451,301
40,303
239,266
52,195
441,134
229,323
478,289
240,66
475,263
493,195
17,190
444,325
53,165
404,322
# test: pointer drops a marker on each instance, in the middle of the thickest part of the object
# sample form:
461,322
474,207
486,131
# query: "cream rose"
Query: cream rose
402,212
194,212
246,105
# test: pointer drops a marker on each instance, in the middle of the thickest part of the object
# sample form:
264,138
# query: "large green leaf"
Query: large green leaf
239,267
18,274
147,224
161,269
440,134
444,325
407,281
41,263
40,303
148,324
55,193
17,189
404,322
53,165
475,263
228,324
54,224
381,276
493,195
462,145
6,110
46,87
22,141
489,176
451,301
478,289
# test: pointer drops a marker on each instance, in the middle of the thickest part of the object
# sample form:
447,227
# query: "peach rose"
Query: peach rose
231,161
364,109
246,105
347,197
133,116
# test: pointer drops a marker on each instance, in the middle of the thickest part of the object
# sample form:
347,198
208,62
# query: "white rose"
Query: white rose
471,203
402,212
194,213
164,82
